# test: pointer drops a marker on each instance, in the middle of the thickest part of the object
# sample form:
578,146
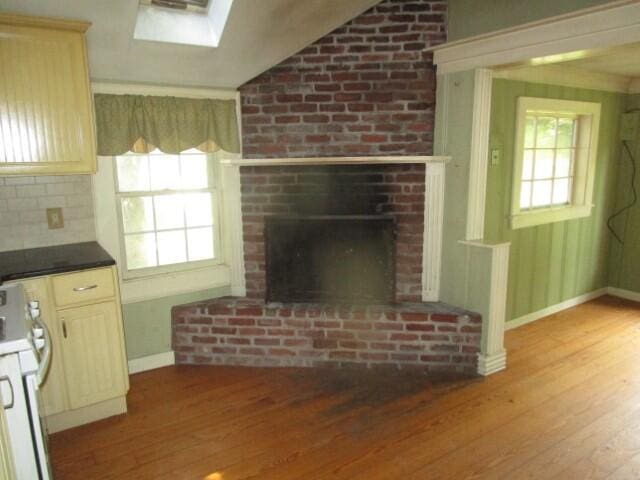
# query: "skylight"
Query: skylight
190,22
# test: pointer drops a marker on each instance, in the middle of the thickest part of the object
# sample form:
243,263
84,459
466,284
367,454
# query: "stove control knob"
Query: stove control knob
38,332
35,312
34,304
39,343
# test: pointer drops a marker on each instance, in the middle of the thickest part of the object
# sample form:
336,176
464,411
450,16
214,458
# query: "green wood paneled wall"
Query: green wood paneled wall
624,264
147,324
557,261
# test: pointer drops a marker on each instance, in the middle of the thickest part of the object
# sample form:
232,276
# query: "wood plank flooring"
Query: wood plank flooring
567,407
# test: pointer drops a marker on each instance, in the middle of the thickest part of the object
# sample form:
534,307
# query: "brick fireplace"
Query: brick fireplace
365,89
393,190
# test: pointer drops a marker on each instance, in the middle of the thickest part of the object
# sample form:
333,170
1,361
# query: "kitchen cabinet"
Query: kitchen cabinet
88,378
6,458
92,369
46,106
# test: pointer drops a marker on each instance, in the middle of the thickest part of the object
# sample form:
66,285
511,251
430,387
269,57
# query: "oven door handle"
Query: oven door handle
45,357
9,405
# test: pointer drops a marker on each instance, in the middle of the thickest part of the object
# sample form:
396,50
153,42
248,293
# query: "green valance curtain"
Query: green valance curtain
143,123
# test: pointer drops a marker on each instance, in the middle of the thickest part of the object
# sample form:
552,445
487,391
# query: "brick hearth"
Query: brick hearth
233,331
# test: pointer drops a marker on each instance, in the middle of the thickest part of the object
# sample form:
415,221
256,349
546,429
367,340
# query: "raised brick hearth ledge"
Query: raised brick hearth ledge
239,331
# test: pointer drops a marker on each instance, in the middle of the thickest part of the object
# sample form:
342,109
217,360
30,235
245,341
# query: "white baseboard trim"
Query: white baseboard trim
572,302
489,364
622,293
150,362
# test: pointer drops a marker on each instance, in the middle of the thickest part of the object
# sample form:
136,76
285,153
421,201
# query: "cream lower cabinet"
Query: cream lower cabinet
88,378
6,458
90,339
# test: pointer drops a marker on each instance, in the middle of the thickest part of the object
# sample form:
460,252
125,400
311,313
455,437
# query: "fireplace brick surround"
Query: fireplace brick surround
368,88
395,190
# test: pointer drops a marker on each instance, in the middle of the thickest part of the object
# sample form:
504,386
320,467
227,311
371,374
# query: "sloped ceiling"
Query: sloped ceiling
259,34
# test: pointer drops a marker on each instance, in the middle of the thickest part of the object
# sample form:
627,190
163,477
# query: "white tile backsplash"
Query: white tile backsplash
23,217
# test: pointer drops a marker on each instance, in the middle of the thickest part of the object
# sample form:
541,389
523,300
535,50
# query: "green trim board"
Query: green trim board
624,261
553,262
467,18
452,127
147,324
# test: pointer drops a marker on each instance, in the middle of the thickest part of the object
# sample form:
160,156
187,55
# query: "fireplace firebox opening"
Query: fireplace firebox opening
330,259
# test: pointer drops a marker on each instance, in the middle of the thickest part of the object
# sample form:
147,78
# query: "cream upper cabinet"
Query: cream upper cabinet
46,106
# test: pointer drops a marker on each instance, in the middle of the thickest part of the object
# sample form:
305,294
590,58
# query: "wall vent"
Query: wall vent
198,6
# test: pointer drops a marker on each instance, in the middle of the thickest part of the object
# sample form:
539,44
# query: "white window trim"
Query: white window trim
228,274
161,284
215,188
588,115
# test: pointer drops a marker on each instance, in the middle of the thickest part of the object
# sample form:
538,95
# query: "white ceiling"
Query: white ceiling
622,61
613,69
258,35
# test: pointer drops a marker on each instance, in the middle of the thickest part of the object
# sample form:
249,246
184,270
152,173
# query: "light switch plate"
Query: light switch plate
55,218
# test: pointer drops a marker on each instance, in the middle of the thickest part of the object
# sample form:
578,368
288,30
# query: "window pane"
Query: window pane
565,132
546,132
527,165
198,210
169,211
561,191
141,250
563,162
133,173
525,195
200,241
171,247
194,171
544,164
541,193
137,214
530,132
165,172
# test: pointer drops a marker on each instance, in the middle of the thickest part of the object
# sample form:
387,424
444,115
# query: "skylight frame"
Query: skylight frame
190,26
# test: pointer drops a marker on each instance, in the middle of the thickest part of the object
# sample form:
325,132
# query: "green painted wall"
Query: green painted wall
553,262
474,17
147,325
624,266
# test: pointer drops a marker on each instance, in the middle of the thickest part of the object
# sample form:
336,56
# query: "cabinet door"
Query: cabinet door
46,113
53,393
6,459
92,353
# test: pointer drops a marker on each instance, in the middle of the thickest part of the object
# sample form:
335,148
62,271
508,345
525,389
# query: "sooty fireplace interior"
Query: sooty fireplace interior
337,259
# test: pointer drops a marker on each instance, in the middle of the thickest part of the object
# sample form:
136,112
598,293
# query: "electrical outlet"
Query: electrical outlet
495,156
55,218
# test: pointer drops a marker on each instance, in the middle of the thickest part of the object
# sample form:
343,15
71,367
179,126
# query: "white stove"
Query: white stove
25,352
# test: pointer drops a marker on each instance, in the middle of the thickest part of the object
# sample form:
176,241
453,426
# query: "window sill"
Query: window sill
549,215
139,289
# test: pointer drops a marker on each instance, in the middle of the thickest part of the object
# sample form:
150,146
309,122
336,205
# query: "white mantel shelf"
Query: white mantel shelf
393,160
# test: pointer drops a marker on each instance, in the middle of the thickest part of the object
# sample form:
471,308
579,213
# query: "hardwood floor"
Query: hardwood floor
567,407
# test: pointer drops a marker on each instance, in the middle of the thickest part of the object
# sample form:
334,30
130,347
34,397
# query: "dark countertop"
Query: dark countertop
36,262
